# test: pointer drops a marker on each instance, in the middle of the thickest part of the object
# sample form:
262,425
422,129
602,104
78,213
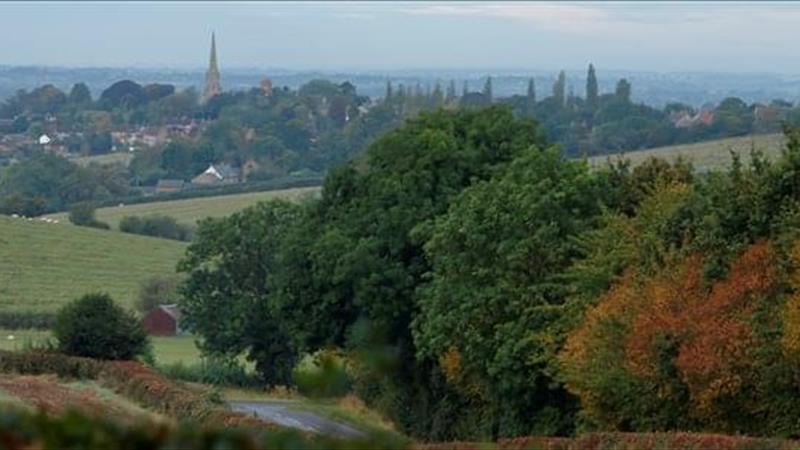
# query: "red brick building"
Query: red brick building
163,320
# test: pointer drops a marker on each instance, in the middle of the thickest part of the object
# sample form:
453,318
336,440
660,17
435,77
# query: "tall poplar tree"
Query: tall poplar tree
591,88
436,96
388,90
531,91
559,88
451,91
530,100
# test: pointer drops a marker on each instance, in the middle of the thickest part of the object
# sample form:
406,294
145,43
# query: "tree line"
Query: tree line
307,131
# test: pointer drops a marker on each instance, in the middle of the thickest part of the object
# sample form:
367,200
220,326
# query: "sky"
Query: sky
330,36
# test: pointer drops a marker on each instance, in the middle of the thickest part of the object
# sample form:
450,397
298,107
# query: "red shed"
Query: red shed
163,320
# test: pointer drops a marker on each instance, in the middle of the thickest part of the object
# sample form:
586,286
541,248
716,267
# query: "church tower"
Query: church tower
213,86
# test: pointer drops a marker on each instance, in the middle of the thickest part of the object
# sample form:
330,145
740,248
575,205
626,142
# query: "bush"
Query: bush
215,371
41,363
323,375
157,226
82,214
157,291
93,326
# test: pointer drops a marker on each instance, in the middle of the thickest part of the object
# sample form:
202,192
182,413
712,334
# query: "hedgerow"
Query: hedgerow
132,380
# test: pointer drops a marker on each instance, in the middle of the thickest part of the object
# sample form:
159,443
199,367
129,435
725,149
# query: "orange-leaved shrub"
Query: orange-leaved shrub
676,351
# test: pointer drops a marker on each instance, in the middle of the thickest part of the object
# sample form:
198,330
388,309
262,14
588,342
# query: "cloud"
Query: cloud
352,15
619,18
556,16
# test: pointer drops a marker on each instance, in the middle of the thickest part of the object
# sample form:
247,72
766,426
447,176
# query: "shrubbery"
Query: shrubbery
322,375
82,214
157,226
93,326
214,371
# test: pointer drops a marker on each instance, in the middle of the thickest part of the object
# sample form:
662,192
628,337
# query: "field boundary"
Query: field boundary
233,189
135,381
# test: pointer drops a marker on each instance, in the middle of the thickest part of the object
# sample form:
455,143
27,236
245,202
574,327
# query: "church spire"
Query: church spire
212,62
213,86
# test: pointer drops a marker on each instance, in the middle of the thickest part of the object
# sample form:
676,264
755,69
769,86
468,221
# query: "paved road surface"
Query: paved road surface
281,413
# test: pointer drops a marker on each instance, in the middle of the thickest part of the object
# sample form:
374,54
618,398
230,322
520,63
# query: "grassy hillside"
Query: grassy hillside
191,210
43,265
709,155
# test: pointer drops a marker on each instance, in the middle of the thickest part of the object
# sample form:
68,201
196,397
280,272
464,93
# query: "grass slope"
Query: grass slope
705,156
44,265
189,211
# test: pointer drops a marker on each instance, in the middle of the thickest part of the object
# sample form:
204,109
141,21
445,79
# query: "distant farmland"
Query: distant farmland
705,156
189,211
43,265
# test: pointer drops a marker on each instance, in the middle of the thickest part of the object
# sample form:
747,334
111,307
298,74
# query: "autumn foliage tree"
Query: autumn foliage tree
688,346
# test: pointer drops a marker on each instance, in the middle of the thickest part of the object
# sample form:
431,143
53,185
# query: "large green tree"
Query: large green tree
226,296
499,256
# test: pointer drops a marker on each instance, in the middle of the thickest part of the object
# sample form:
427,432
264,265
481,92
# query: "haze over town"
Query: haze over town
651,36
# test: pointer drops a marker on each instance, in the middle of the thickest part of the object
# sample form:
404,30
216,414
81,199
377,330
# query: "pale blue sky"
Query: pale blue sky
729,37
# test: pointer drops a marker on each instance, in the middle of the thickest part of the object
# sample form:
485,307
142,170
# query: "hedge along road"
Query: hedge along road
281,413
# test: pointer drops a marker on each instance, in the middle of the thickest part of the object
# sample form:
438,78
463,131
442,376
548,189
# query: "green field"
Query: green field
43,265
175,349
705,156
166,350
189,211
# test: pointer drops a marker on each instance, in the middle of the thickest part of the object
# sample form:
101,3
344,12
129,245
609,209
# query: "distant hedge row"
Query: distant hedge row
261,186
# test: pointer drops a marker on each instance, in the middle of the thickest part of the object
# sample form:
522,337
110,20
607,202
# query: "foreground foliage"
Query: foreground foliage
25,430
204,422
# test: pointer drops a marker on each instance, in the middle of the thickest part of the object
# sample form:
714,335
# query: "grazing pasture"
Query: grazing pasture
189,211
44,265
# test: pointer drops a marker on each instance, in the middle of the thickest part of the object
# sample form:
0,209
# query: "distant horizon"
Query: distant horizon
366,70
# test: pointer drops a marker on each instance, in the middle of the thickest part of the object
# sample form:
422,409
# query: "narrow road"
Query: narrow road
283,414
